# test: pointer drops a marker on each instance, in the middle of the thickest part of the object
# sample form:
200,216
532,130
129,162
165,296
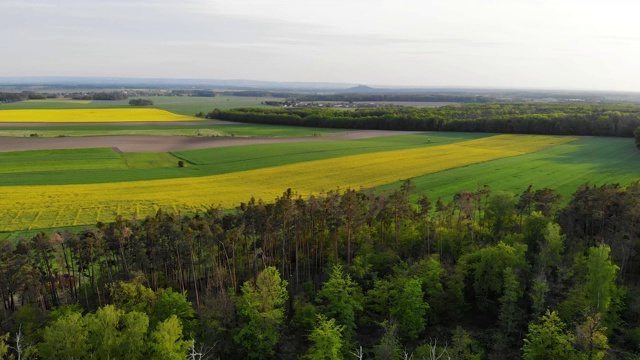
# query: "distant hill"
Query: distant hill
362,89
115,82
321,91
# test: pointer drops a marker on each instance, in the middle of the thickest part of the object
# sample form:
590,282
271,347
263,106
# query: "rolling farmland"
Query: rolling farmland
70,187
45,206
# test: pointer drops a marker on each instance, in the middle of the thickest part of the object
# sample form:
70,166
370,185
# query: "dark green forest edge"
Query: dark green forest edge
520,118
342,275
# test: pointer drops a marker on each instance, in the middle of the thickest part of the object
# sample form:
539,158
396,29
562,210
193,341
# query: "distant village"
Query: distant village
293,104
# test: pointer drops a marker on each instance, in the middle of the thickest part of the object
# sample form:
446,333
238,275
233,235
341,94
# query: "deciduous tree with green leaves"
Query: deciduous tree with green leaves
410,309
166,341
4,347
547,339
340,298
510,314
601,276
327,341
66,338
591,337
262,314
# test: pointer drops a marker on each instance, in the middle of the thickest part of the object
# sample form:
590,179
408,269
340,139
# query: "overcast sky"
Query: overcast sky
559,44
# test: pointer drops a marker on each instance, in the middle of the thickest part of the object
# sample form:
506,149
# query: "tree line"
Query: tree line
517,118
8,97
339,275
114,95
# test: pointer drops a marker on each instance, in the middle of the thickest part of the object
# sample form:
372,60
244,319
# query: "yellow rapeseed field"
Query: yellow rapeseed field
27,207
91,115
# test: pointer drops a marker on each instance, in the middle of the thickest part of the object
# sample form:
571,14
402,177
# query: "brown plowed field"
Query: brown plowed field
170,143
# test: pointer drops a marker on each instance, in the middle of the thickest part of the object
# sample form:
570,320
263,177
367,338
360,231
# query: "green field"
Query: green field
593,160
81,161
562,167
185,105
202,162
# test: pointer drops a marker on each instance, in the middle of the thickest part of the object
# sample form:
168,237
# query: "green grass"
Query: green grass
213,161
596,161
186,105
15,236
51,162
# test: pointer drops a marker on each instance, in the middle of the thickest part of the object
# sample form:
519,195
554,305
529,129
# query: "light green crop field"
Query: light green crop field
592,160
105,165
56,161
563,166
189,105
44,206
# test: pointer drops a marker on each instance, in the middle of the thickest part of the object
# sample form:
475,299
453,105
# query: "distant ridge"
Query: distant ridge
362,89
240,84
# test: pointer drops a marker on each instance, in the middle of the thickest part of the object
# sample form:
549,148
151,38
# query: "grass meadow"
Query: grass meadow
82,161
592,160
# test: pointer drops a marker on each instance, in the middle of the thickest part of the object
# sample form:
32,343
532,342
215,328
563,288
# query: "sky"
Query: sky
540,44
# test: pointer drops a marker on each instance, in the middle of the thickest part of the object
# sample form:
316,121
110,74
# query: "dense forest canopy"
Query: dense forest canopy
487,275
520,118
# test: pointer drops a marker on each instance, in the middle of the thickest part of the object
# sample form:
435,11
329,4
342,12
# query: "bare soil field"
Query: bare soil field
171,143
119,124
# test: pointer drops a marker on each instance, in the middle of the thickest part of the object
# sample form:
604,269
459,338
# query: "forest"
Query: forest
8,97
346,274
114,95
516,118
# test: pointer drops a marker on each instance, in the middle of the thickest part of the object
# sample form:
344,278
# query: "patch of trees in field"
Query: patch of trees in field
8,97
196,93
140,102
517,118
114,95
483,276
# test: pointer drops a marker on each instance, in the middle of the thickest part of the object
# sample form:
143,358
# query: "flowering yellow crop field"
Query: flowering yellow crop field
31,207
91,115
